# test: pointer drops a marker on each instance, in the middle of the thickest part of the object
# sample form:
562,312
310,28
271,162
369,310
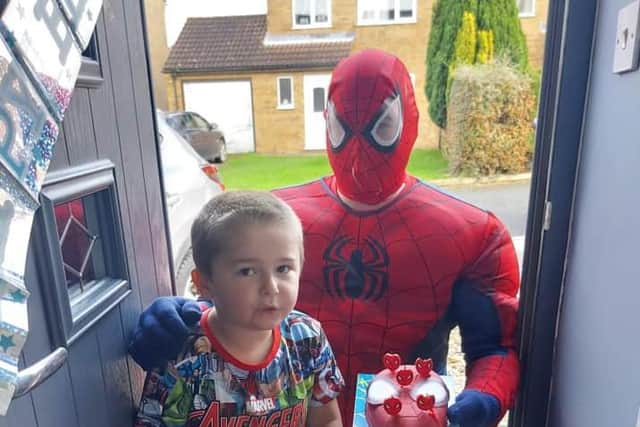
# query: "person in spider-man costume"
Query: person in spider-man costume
392,264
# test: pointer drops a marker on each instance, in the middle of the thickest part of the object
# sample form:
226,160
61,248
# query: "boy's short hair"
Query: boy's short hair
226,213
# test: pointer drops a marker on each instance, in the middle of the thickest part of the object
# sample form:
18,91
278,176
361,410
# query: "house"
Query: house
264,78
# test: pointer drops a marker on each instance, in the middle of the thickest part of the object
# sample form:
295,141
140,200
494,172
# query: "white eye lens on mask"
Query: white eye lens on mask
334,127
388,127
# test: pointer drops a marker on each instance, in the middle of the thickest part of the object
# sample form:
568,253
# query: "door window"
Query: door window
83,243
318,99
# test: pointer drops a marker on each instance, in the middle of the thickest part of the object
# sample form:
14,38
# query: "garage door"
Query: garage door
229,105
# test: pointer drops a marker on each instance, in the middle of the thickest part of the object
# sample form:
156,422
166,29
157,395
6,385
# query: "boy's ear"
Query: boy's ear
200,283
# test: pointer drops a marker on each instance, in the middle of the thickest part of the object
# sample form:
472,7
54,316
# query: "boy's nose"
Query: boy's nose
270,285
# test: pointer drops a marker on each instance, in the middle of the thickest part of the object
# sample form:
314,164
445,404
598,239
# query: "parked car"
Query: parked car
189,183
206,138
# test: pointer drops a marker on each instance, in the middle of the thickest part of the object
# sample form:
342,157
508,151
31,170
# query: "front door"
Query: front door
98,249
315,101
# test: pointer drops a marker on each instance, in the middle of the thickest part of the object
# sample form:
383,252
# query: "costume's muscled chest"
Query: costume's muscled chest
377,262
386,268
382,281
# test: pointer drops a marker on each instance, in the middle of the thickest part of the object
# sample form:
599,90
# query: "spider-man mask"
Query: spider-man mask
372,124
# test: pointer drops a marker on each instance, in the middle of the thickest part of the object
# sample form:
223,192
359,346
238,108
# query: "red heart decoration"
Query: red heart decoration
404,377
391,361
426,402
392,406
424,366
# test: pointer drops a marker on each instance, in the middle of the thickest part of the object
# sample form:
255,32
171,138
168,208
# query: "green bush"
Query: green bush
446,21
499,34
485,47
465,45
501,16
466,40
536,77
489,120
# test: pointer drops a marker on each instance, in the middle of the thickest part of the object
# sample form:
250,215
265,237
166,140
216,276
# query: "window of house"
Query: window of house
371,12
527,7
285,93
311,13
83,244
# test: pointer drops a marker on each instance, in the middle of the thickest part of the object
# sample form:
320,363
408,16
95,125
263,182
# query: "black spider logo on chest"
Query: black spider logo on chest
356,275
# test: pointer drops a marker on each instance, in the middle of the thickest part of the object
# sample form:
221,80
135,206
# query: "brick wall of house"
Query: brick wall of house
158,50
276,131
535,31
280,17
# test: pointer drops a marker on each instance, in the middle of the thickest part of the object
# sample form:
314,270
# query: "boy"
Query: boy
253,361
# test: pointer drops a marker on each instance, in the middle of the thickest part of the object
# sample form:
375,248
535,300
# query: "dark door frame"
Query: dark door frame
152,100
565,81
565,78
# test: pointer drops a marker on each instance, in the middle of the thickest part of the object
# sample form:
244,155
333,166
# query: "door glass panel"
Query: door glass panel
80,242
318,100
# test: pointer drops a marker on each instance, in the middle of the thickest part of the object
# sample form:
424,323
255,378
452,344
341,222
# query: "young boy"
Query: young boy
253,361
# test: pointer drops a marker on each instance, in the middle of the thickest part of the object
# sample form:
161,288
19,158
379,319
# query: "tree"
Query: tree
469,32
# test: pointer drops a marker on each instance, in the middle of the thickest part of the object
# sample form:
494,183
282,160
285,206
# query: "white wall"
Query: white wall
597,369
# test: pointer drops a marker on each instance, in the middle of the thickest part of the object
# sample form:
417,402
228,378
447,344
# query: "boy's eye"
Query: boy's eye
284,269
247,271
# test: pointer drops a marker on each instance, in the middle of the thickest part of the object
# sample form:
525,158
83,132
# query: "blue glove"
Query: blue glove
474,409
162,331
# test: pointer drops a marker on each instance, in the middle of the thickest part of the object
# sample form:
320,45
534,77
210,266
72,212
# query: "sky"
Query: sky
177,11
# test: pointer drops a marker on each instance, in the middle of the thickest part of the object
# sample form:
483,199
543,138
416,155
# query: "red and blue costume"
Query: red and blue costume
393,264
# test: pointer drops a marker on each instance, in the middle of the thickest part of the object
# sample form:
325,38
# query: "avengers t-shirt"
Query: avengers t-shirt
207,387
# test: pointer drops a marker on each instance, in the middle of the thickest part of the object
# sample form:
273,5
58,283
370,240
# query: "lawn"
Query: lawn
257,171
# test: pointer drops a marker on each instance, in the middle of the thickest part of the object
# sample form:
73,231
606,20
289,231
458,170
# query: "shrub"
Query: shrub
490,116
496,32
501,16
465,45
446,21
485,47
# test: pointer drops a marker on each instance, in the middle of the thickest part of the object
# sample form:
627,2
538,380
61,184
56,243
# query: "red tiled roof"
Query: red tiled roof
235,43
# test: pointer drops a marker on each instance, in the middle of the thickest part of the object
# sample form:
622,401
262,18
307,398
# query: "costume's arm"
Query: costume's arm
485,305
162,330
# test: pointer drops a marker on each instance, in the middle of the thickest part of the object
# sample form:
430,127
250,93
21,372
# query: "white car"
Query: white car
189,182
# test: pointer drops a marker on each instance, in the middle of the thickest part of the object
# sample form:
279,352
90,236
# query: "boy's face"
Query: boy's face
254,283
